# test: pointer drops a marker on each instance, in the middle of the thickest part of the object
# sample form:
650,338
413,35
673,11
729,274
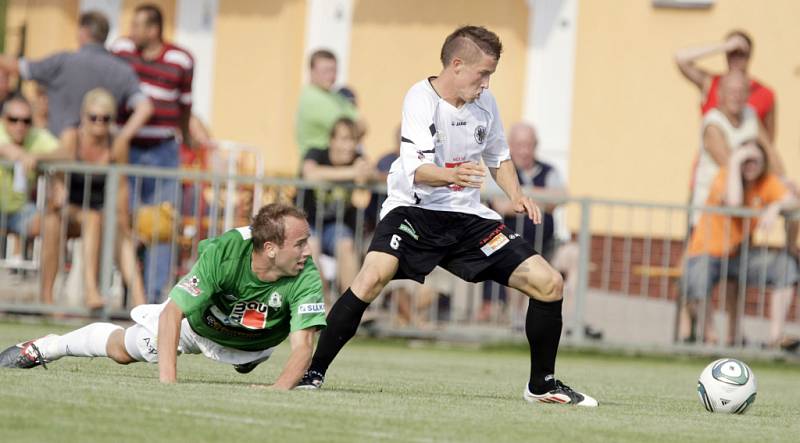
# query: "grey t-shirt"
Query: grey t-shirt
68,76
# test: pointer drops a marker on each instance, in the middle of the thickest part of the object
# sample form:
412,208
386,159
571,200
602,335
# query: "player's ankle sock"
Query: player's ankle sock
343,323
543,328
88,341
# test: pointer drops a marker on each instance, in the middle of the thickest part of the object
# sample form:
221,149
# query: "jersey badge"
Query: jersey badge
496,242
275,301
480,134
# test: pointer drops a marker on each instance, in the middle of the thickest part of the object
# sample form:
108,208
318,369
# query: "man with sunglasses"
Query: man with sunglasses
19,142
738,46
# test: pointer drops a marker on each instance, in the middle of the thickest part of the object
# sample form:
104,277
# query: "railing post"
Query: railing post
584,248
109,231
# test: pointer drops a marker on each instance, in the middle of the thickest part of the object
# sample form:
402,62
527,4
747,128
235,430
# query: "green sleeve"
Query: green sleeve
193,292
307,305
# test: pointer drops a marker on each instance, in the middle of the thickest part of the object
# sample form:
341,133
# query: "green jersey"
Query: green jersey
224,301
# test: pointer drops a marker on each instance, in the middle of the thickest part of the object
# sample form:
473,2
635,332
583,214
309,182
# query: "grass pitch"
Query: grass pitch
382,392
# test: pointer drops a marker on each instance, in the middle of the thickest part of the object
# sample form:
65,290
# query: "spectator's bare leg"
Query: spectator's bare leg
51,244
346,262
731,301
423,299
126,250
781,300
91,223
403,300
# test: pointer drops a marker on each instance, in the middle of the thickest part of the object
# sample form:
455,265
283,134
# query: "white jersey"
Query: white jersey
706,169
435,132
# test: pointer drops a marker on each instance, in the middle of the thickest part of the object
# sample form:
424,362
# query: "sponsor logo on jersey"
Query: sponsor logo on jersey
249,314
458,123
311,308
480,134
275,300
408,229
191,285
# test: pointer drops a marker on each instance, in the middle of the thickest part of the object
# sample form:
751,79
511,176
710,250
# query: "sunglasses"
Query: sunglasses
27,121
94,118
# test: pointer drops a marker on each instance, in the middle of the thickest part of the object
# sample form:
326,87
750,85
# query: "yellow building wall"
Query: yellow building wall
396,44
636,121
52,26
257,77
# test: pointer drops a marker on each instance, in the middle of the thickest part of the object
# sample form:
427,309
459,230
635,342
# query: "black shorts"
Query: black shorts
471,247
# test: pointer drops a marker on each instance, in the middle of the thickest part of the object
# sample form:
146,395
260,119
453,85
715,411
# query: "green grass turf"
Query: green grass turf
382,392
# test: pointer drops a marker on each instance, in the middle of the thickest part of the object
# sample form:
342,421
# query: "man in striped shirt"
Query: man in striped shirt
165,73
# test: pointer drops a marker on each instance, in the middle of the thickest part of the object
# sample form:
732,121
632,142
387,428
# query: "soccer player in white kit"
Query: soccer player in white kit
433,214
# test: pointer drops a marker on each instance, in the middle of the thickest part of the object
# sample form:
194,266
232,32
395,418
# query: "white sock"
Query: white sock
88,341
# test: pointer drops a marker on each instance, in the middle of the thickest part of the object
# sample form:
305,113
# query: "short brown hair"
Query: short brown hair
346,122
456,43
97,25
154,16
318,54
269,224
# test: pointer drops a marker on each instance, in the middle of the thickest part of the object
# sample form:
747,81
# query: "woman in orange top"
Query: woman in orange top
716,241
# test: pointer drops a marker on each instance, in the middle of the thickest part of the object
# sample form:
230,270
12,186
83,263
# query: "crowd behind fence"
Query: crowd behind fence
625,273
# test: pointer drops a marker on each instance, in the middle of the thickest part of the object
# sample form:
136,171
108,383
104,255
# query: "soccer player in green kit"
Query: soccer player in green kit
249,290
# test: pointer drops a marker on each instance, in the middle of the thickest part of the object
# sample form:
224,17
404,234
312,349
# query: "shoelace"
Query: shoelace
38,355
561,385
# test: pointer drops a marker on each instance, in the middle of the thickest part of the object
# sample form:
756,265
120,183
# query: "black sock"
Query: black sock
343,323
543,328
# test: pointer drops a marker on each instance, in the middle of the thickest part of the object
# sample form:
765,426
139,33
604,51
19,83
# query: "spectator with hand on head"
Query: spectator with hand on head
338,164
717,238
738,47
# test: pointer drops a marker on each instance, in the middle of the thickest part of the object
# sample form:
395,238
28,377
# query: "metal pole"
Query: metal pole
584,241
109,233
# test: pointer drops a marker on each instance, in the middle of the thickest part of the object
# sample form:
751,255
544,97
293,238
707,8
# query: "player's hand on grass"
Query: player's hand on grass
468,175
525,205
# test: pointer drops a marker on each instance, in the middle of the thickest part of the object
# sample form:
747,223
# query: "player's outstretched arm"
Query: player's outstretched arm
506,177
302,343
169,329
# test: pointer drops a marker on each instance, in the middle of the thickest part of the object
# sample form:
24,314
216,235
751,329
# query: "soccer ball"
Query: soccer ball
727,385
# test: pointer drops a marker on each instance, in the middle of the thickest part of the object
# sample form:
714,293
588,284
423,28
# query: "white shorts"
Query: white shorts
141,341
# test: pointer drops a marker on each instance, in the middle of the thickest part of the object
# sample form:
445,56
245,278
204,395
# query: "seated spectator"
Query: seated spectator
340,163
91,142
725,128
20,142
717,238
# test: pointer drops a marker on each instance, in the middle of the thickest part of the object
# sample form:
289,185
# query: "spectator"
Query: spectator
68,76
385,162
321,106
339,163
536,175
90,143
20,142
725,128
5,87
165,72
746,182
738,47
41,107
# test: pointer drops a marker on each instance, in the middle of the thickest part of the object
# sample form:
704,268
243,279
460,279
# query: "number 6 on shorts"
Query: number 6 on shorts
395,241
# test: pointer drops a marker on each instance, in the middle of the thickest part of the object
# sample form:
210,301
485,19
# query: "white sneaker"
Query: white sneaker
562,394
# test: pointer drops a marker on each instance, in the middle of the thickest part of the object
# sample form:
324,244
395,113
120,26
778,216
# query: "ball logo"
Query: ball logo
249,314
731,371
